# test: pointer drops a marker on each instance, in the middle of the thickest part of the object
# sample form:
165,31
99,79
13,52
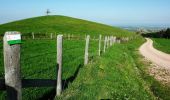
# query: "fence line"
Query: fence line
13,82
105,40
76,37
33,35
51,35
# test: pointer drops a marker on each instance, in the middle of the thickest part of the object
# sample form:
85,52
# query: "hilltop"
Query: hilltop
119,73
61,24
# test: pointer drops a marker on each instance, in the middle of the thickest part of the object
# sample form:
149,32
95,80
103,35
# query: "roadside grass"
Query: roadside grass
162,44
158,89
115,75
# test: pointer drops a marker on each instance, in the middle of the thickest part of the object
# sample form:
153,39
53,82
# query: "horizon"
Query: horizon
116,13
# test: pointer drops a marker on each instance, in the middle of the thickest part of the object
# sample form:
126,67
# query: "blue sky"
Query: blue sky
113,12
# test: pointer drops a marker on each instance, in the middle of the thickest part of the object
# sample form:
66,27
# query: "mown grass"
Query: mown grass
38,61
61,24
162,44
38,57
115,75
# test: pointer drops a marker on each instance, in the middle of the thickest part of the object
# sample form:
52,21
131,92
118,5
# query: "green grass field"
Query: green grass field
114,75
38,61
162,44
38,57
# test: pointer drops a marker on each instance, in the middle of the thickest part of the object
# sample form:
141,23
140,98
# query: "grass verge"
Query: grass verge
115,75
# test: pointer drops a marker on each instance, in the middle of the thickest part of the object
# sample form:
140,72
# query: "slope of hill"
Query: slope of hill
61,24
104,77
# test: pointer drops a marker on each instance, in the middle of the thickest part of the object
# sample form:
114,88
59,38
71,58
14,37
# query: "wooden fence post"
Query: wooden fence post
100,37
110,40
12,65
59,64
105,41
33,35
127,39
86,50
114,39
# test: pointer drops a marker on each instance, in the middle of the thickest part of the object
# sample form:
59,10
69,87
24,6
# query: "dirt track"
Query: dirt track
157,57
161,61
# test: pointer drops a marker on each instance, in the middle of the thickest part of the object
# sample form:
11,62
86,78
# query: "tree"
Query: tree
167,33
161,34
48,11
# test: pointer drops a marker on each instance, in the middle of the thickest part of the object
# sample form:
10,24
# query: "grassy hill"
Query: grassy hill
114,75
61,24
38,57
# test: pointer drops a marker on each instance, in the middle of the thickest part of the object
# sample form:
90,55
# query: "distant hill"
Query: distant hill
61,24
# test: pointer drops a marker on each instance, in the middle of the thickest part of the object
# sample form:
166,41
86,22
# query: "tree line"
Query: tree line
160,34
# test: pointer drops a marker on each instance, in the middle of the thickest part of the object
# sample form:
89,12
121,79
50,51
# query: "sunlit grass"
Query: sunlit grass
162,44
115,75
38,61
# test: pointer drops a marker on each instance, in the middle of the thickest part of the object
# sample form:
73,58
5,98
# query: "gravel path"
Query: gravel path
161,62
159,58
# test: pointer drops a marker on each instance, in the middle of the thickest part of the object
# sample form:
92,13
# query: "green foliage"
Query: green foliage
160,34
